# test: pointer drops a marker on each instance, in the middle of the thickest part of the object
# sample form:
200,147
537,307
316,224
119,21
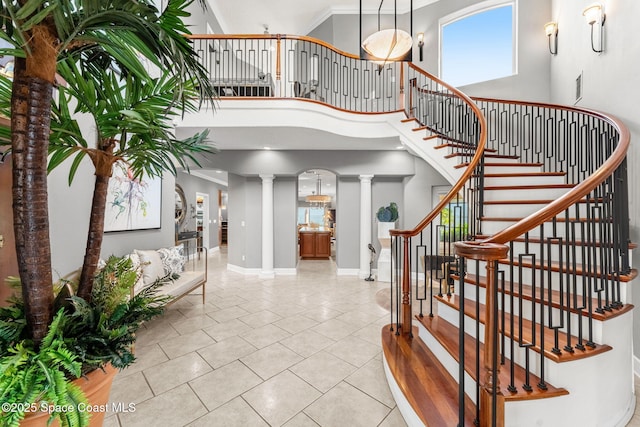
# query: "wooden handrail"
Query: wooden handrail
475,160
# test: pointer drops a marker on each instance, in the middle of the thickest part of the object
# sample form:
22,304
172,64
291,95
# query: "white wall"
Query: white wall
611,83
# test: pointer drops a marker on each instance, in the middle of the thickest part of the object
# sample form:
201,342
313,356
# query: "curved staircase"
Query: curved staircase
510,299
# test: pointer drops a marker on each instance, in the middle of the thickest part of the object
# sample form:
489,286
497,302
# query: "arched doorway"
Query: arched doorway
316,214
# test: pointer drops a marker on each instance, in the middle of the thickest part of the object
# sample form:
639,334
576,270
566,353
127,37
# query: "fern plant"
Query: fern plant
104,330
38,380
84,335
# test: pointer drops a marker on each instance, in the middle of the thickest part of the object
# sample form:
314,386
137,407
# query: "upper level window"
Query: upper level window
478,44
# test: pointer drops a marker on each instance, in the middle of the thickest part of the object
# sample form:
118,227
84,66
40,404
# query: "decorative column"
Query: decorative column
365,225
267,271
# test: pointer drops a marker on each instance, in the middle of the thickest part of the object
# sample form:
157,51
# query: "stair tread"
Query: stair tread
564,356
448,335
511,165
527,293
428,387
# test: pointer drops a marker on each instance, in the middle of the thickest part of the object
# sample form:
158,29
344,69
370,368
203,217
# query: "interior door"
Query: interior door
8,260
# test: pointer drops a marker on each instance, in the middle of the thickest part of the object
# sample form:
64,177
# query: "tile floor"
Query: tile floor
295,351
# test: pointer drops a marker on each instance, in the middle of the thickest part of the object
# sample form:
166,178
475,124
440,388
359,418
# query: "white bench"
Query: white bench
194,275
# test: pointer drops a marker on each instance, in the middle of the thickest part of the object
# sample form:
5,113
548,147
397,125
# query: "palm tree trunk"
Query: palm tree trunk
30,126
94,238
103,161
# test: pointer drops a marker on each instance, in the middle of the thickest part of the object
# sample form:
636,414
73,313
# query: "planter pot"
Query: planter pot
384,259
96,385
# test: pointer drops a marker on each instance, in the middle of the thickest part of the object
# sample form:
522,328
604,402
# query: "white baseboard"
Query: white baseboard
243,270
286,271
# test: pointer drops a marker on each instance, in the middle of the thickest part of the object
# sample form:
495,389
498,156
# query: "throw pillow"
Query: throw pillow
172,259
152,268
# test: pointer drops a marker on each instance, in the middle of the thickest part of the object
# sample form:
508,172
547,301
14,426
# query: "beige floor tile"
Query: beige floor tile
183,344
146,357
111,421
176,407
323,370
227,329
193,324
265,335
394,419
222,385
345,405
301,420
227,314
370,333
307,342
130,389
261,318
296,323
226,351
236,413
335,329
199,309
281,397
174,372
154,332
354,350
321,313
271,360
371,380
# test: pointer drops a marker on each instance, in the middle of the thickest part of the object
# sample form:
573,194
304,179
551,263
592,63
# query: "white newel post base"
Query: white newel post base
384,259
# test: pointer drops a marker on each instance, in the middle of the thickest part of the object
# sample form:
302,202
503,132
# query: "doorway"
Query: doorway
316,214
203,221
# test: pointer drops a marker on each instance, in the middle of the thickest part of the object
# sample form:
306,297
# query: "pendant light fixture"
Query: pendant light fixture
391,44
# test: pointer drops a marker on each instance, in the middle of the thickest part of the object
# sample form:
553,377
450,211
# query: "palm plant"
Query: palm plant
98,34
132,118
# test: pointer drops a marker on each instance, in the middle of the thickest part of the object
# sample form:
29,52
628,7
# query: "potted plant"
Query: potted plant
85,339
99,36
387,217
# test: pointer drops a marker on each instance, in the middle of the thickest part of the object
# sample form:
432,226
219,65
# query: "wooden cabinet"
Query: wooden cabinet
315,244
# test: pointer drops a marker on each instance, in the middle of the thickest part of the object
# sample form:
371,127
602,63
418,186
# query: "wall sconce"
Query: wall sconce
551,30
595,15
420,44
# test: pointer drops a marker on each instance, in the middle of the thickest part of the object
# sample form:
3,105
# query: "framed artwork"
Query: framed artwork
132,203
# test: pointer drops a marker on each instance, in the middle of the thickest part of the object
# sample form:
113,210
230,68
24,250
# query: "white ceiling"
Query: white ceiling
293,16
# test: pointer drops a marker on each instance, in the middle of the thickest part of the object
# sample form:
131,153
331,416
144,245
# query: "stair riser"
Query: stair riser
590,254
525,276
450,364
519,352
524,194
527,309
522,210
493,227
523,180
507,168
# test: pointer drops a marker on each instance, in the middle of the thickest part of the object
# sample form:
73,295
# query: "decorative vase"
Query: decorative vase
384,258
96,385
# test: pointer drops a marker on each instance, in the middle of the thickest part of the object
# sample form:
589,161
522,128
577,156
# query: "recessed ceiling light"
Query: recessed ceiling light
218,171
399,147
267,148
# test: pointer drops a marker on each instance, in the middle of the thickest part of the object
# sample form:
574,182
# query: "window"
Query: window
478,44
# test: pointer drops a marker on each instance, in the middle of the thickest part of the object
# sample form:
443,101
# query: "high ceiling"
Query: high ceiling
293,16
